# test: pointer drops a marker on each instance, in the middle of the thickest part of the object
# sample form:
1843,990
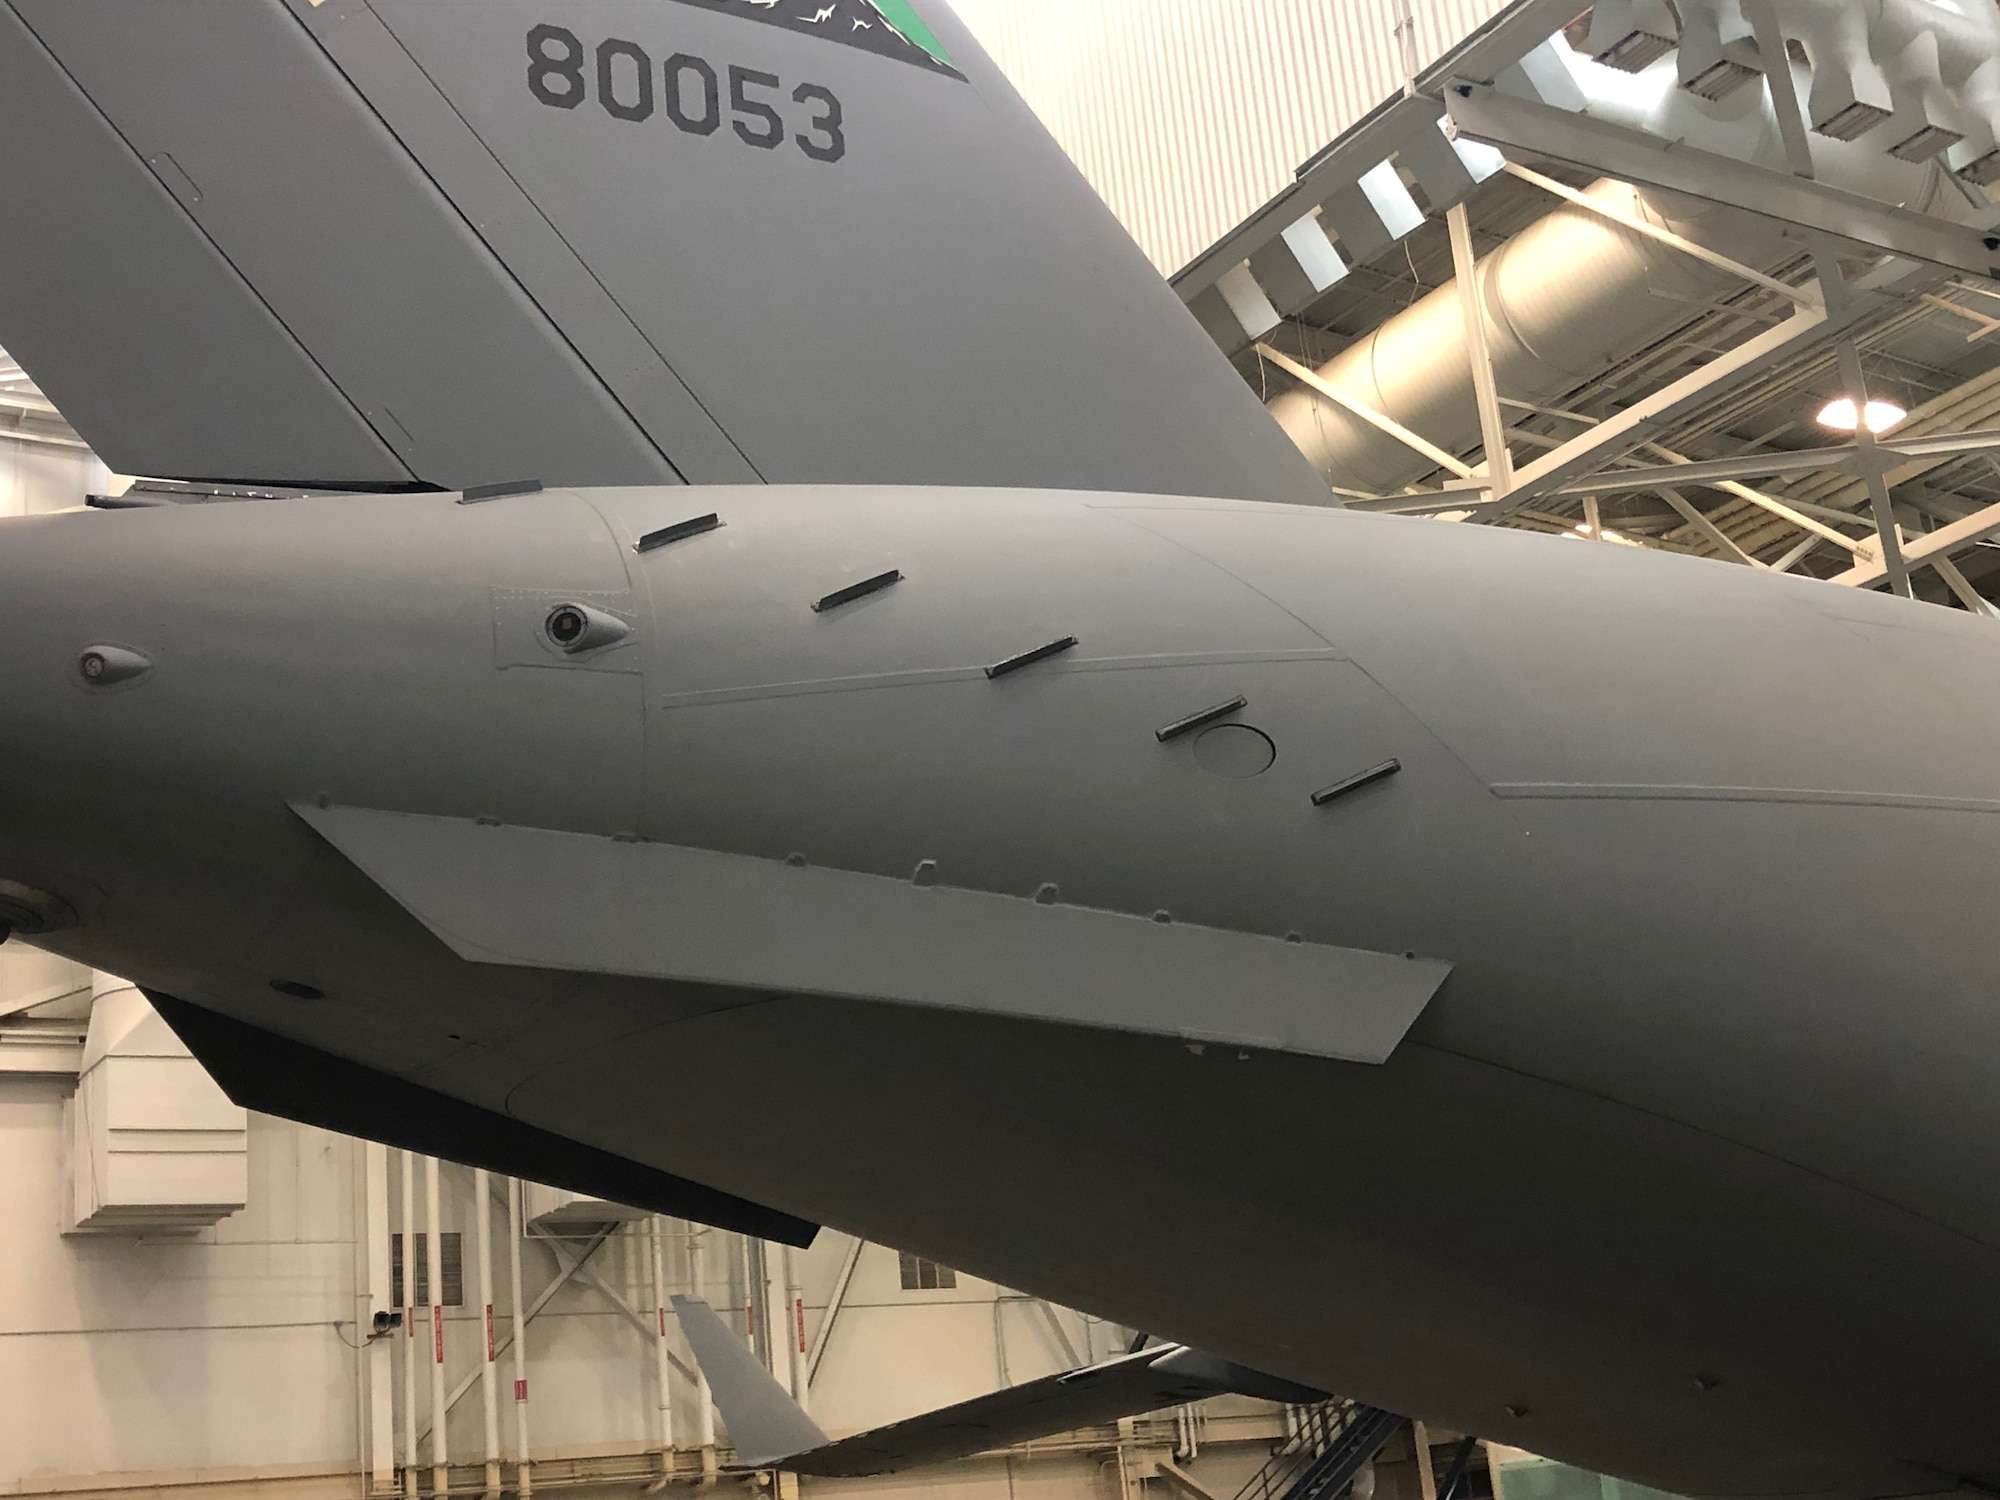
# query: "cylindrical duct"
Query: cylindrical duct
1576,291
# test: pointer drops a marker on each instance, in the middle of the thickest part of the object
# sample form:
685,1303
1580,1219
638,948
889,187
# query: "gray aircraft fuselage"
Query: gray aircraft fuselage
1685,1172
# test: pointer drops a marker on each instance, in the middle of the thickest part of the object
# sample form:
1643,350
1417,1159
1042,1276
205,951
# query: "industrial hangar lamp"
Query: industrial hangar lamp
1880,415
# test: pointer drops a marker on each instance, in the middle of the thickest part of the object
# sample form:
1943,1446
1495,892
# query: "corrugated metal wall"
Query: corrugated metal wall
1187,114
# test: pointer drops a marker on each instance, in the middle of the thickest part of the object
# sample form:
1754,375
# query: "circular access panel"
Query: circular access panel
1234,750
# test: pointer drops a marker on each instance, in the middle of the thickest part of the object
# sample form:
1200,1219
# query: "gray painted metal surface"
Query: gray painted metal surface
630,241
546,899
335,228
133,322
1711,854
765,1424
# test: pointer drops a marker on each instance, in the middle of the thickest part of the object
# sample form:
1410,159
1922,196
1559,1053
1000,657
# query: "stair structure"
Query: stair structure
1334,1441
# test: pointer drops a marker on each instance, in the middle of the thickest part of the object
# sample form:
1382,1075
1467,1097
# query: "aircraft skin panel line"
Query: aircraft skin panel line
602,243
544,898
520,238
135,323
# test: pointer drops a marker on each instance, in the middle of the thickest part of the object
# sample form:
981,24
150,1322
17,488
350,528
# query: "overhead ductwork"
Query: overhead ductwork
1578,291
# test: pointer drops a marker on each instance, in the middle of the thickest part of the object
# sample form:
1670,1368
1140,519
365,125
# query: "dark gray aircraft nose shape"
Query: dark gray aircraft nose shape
1554,957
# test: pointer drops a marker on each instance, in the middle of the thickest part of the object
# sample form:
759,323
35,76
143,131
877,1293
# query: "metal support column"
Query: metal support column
704,1404
662,1368
434,1269
1420,1441
833,1305
407,1230
489,1376
524,1483
1870,462
1492,426
795,1327
378,1354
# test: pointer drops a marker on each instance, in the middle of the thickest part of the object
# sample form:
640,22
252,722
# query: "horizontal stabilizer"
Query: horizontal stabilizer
544,899
770,1431
765,1424
275,1075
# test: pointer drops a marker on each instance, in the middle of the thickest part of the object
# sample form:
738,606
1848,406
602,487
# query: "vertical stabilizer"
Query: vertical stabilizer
381,242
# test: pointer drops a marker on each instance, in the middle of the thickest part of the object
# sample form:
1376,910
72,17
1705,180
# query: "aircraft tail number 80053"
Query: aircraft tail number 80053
687,90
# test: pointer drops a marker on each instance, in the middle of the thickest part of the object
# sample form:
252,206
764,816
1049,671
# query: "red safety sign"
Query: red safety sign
799,1309
489,1333
520,1390
437,1329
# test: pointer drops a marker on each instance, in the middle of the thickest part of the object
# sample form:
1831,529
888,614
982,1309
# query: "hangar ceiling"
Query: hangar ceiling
1697,431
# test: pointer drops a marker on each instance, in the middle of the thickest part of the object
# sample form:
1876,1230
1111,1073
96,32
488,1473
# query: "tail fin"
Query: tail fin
392,242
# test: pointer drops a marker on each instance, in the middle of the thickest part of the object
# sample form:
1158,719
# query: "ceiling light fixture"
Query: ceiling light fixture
1880,415
1582,533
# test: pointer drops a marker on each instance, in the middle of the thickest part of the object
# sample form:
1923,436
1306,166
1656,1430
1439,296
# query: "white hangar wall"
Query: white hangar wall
1186,115
37,477
213,1355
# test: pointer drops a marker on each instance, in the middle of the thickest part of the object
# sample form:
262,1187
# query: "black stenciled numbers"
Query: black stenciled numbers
555,67
827,124
740,82
639,74
686,89
684,68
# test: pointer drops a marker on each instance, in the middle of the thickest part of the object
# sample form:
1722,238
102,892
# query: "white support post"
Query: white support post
1685,509
1492,426
489,1376
1778,80
408,1231
775,1309
704,1402
1420,1440
1960,585
795,1326
662,1368
378,1358
434,1270
1318,382
1653,231
834,1303
1868,459
524,1484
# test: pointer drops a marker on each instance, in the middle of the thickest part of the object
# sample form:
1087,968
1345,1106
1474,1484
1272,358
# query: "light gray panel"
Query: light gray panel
1698,673
296,181
515,231
947,302
546,899
153,347
764,1423
738,600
